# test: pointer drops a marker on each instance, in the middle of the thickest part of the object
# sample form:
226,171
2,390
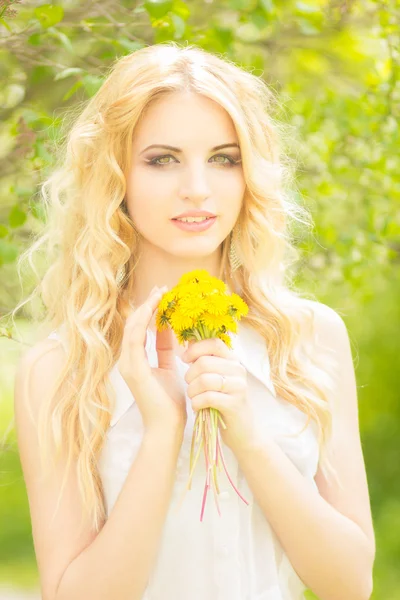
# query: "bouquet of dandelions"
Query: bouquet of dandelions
200,307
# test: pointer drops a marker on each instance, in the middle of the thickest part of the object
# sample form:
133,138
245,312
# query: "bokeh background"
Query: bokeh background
335,68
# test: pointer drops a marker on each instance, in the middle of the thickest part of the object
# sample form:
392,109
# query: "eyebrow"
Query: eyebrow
232,145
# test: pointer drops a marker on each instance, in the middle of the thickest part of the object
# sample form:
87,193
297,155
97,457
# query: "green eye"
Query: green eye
222,156
154,161
230,161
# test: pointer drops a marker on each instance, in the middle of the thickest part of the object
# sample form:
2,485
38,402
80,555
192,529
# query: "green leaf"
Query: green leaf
67,72
248,32
181,9
302,7
158,8
16,216
3,231
72,90
179,26
91,84
309,595
267,6
163,31
243,5
225,36
307,28
48,14
37,210
127,44
20,191
35,39
6,25
8,252
259,19
42,151
64,39
34,119
40,73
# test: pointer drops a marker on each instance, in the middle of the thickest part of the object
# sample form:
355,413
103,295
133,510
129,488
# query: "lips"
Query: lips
202,219
194,214
194,226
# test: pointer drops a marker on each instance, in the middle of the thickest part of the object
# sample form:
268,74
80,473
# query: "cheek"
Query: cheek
232,196
231,189
147,200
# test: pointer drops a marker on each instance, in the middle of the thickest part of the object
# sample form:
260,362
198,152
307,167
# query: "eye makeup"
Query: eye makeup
232,161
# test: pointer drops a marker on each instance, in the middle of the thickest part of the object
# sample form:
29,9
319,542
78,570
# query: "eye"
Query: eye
153,161
231,161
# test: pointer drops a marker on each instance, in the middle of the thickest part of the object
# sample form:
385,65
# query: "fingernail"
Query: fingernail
154,289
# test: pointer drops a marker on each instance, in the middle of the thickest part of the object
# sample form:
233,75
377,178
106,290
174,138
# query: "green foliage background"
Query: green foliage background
335,66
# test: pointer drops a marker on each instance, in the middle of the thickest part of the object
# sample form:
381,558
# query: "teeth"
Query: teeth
193,219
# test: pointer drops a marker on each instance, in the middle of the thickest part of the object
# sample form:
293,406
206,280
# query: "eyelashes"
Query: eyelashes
231,161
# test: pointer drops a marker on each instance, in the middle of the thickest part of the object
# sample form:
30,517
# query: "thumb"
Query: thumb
165,349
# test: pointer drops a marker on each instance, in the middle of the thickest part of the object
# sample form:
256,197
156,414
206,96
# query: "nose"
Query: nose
195,184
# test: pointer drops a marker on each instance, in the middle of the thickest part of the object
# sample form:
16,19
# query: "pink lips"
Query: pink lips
201,226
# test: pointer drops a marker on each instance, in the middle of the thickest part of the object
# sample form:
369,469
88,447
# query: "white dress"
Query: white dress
235,556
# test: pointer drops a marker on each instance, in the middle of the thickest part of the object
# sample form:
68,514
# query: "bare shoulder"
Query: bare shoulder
323,312
327,323
40,364
36,373
50,348
57,541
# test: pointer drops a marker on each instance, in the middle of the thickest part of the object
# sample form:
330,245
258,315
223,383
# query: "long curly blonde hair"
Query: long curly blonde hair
90,247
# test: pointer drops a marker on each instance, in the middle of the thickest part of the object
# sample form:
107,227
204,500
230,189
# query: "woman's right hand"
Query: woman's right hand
158,391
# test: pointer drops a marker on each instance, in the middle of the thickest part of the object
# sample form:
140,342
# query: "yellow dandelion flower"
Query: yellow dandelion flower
180,321
212,321
191,306
167,300
240,307
216,304
219,285
212,286
162,321
184,335
225,338
184,290
230,324
194,276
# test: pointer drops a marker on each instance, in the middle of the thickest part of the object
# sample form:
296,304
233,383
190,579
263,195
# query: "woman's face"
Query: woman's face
162,183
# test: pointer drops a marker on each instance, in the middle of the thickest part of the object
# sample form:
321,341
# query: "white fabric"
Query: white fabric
235,556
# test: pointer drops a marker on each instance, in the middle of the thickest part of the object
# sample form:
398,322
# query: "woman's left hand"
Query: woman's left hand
211,358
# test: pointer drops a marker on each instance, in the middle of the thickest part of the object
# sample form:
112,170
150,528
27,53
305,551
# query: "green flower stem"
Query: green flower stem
206,434
208,421
233,485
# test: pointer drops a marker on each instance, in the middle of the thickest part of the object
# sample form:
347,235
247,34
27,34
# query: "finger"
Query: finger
165,349
210,346
134,337
211,399
213,364
213,382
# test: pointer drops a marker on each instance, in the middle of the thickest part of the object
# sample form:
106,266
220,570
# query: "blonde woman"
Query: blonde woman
177,132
